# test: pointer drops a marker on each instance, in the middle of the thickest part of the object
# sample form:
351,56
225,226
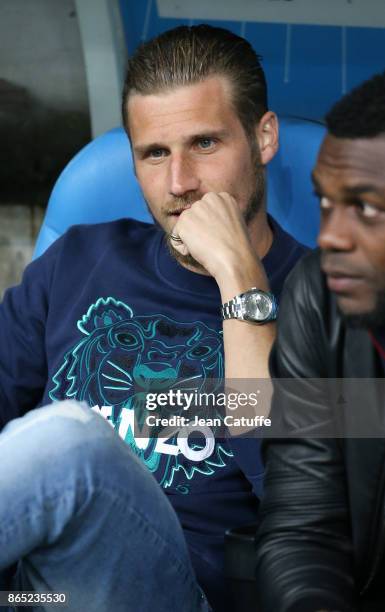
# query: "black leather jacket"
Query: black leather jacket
321,538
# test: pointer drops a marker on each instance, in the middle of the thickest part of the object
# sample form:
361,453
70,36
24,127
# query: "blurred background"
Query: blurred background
62,67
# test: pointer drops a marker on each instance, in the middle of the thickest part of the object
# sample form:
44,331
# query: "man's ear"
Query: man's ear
267,133
133,158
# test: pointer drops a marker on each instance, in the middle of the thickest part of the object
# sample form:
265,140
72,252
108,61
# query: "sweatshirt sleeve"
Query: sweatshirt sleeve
23,365
304,547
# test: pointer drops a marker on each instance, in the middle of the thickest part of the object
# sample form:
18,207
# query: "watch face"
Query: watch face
258,307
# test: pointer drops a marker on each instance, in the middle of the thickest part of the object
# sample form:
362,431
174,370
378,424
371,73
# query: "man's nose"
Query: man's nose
183,177
336,232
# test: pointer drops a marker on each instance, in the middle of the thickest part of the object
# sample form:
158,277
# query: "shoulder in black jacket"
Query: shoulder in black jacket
321,537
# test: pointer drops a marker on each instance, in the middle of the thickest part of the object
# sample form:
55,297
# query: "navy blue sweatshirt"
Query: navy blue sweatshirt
101,314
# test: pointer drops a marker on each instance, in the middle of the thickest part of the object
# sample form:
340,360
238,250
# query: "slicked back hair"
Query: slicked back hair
360,113
188,55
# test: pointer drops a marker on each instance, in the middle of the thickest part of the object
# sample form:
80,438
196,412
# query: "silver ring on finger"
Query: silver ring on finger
176,238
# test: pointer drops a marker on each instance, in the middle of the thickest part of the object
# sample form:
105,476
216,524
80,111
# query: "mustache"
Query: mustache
179,204
335,265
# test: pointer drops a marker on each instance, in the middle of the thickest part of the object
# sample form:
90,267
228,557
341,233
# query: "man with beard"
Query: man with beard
110,313
321,537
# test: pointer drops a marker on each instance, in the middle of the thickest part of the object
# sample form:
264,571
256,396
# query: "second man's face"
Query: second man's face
349,177
189,141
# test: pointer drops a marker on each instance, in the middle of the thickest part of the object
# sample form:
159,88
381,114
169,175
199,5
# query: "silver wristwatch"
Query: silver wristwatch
253,305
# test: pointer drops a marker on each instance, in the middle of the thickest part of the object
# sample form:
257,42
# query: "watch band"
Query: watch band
232,309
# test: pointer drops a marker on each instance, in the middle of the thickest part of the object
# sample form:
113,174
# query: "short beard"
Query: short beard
369,320
254,205
257,199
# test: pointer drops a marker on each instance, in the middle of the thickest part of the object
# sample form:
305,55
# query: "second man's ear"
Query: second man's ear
267,132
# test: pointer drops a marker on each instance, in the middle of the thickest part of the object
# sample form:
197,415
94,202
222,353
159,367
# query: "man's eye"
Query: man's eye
368,211
156,153
206,143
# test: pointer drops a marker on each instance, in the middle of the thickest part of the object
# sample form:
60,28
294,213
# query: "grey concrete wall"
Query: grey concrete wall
40,50
19,226
44,117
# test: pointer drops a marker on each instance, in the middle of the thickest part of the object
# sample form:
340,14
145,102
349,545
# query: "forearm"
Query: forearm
246,345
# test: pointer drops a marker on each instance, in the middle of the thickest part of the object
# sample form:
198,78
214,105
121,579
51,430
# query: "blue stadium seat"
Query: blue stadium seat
99,185
291,200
